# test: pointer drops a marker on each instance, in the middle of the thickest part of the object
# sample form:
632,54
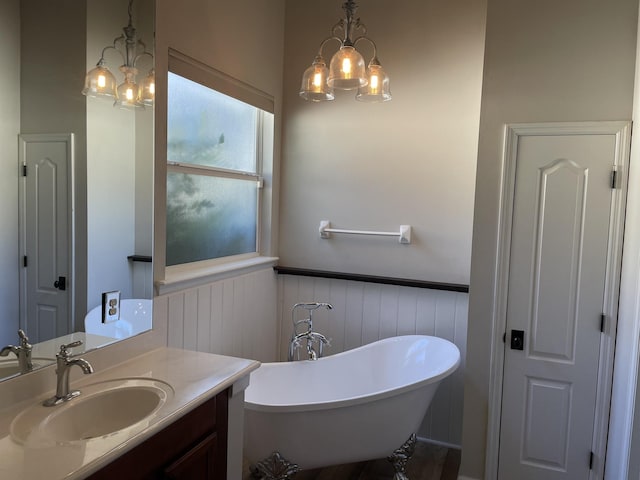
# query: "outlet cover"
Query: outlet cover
111,306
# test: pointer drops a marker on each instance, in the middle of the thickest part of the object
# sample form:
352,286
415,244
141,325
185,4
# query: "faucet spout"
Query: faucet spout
83,364
9,349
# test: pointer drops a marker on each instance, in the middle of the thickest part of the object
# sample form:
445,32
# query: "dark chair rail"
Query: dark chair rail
139,258
403,282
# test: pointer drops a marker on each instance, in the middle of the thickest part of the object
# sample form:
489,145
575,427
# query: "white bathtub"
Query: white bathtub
358,405
135,317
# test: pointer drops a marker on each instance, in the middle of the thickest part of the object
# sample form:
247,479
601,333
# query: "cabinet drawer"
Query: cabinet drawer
199,462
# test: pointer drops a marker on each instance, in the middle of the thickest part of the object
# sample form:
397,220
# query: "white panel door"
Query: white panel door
556,290
46,235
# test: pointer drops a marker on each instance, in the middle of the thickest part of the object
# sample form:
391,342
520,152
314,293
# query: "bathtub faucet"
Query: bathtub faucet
315,341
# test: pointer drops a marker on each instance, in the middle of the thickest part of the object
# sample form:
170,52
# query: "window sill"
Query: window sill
198,276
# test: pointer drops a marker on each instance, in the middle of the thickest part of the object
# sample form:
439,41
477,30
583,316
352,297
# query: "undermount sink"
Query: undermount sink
11,366
102,409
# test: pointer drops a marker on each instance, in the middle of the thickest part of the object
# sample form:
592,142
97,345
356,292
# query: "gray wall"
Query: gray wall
377,166
144,145
53,67
120,158
42,54
110,166
9,128
52,73
544,61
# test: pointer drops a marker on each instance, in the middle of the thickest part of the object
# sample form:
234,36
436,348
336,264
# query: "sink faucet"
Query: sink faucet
22,351
64,362
309,335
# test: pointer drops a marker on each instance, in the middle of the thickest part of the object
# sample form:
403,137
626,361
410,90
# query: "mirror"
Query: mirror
79,224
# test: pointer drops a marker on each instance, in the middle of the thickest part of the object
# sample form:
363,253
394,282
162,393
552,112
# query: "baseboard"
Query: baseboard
442,444
462,477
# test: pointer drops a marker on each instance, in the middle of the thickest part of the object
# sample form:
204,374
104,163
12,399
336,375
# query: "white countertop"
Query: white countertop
194,377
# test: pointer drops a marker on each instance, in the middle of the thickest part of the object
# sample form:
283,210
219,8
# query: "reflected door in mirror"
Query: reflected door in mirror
46,210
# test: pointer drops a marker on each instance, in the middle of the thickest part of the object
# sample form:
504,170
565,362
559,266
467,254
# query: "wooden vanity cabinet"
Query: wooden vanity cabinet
194,447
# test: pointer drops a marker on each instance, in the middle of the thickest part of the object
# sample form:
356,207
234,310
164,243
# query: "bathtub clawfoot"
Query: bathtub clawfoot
401,456
274,467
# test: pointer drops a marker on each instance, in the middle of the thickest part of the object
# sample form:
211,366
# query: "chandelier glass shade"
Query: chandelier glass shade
314,82
100,82
347,69
377,87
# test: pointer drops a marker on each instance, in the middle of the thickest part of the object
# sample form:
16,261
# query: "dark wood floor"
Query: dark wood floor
429,462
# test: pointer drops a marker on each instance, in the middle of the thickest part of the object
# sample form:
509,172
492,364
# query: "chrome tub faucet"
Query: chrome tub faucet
22,351
311,338
64,362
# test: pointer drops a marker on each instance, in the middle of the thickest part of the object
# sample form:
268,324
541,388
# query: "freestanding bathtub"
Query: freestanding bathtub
357,405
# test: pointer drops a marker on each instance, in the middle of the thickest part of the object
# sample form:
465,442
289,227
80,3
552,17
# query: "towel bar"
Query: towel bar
404,233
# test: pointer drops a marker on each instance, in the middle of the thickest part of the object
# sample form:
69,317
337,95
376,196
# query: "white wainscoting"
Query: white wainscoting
250,316
235,316
366,312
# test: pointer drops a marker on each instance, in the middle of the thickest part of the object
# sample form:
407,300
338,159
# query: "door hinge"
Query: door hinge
504,337
614,177
603,322
24,170
591,457
24,261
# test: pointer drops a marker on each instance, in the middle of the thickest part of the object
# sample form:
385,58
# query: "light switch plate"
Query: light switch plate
111,306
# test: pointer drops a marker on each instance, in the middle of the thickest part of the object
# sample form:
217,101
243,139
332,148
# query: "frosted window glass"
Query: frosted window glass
209,217
209,128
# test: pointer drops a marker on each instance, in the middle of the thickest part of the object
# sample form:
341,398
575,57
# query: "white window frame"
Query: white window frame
177,277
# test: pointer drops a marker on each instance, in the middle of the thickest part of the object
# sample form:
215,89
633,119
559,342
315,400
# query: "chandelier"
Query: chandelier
347,67
100,82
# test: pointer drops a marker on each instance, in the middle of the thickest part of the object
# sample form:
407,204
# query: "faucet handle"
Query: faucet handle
64,348
310,306
24,340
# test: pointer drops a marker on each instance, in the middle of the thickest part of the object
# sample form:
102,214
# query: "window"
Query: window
214,168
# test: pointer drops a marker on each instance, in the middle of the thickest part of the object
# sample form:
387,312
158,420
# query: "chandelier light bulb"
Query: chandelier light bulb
317,80
373,83
346,67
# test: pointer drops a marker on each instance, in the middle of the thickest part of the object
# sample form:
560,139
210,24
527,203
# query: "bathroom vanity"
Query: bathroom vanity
166,414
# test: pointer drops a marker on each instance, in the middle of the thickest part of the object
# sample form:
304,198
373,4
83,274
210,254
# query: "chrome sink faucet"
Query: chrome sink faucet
64,362
22,351
309,336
